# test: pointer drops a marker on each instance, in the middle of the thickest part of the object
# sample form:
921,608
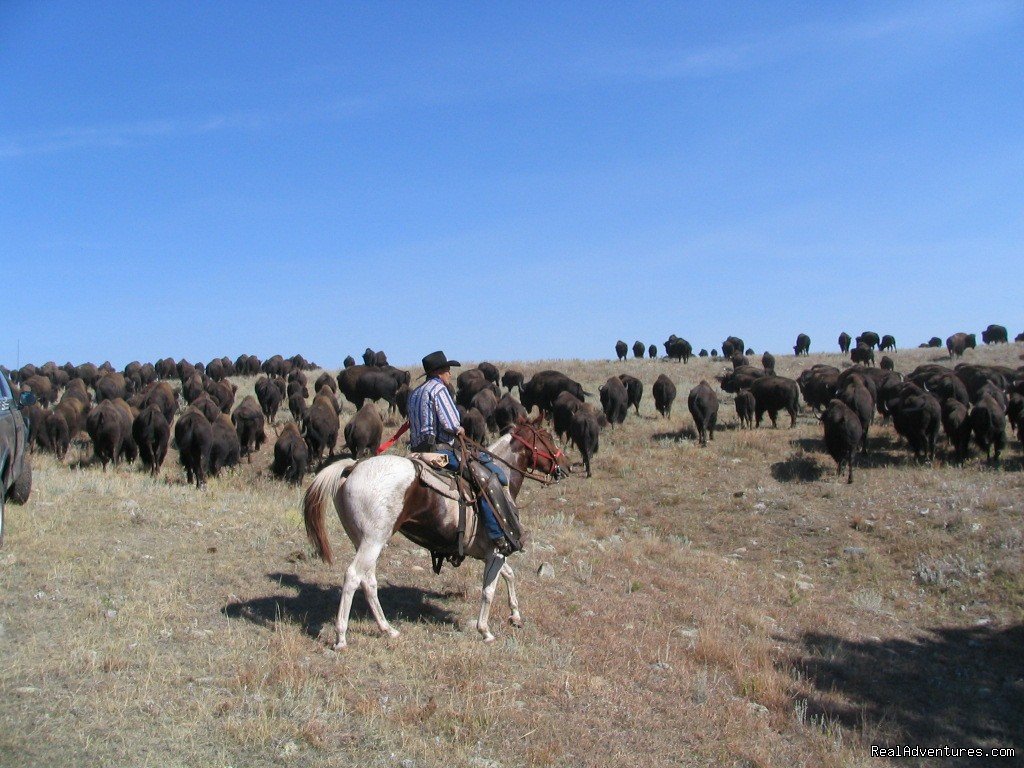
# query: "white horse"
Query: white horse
381,496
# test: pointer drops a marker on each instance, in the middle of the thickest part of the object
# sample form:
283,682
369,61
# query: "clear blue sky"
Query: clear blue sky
504,181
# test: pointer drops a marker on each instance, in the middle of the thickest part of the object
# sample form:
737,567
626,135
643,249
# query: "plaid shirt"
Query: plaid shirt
432,413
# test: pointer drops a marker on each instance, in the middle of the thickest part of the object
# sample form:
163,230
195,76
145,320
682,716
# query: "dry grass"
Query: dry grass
729,605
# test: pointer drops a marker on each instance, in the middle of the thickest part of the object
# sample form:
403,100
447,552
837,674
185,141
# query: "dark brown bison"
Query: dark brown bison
320,429
542,389
803,345
870,338
862,354
634,390
664,392
843,434
58,435
703,404
745,407
297,407
844,342
886,363
192,387
916,415
225,450
474,423
348,362
325,380
678,349
740,378
364,431
223,393
507,412
565,406
585,432
614,400
512,378
995,334
988,424
958,343
205,405
490,372
485,402
639,348
193,435
859,399
249,426
934,341
291,456
42,388
621,349
109,432
887,344
732,344
269,397
151,432
163,397
652,351
768,363
772,394
957,426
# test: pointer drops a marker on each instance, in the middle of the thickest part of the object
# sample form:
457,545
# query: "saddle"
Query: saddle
467,486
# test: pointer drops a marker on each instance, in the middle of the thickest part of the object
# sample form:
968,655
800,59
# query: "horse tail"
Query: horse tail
322,491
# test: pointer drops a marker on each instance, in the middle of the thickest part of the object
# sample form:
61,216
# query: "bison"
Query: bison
291,456
745,407
193,434
639,348
512,378
151,432
664,392
995,334
364,431
634,390
249,426
803,345
844,342
320,429
843,433
621,349
614,400
958,343
887,344
772,394
585,431
703,404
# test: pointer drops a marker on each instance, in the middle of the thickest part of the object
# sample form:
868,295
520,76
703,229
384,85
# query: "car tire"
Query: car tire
23,485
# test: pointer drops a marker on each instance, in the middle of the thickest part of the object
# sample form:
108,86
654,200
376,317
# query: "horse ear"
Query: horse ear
538,420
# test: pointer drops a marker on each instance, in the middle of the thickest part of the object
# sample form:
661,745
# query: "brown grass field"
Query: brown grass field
733,605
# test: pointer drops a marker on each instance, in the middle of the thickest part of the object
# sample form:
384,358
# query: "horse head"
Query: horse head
542,453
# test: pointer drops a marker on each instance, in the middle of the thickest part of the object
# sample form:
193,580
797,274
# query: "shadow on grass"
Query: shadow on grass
686,433
797,469
312,605
962,686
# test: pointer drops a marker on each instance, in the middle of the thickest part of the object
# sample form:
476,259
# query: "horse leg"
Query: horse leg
362,572
492,567
513,602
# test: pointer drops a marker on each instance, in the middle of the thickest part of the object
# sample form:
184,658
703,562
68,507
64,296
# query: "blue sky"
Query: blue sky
517,181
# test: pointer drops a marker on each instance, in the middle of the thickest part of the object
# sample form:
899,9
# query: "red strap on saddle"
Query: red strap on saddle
394,438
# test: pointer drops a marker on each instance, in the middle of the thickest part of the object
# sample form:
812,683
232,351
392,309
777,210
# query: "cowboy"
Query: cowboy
434,424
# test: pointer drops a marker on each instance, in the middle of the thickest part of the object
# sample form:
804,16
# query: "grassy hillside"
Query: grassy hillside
728,605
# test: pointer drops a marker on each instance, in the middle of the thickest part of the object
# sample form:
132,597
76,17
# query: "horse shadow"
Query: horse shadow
312,605
962,686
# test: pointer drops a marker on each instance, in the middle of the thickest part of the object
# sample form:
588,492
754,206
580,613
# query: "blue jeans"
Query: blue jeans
494,531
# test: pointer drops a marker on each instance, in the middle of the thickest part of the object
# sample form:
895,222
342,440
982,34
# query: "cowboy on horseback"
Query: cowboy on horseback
435,424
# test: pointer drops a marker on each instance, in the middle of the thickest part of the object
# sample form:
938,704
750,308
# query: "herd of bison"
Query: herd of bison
129,414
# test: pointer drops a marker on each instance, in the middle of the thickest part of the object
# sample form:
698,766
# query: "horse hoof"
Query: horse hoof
339,646
489,638
392,632
516,621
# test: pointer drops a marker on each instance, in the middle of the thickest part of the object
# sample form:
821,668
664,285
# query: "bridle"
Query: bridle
539,449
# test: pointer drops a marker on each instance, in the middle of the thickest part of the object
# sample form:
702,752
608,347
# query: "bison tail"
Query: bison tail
322,490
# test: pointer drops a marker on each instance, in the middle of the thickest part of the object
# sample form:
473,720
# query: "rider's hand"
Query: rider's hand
460,431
